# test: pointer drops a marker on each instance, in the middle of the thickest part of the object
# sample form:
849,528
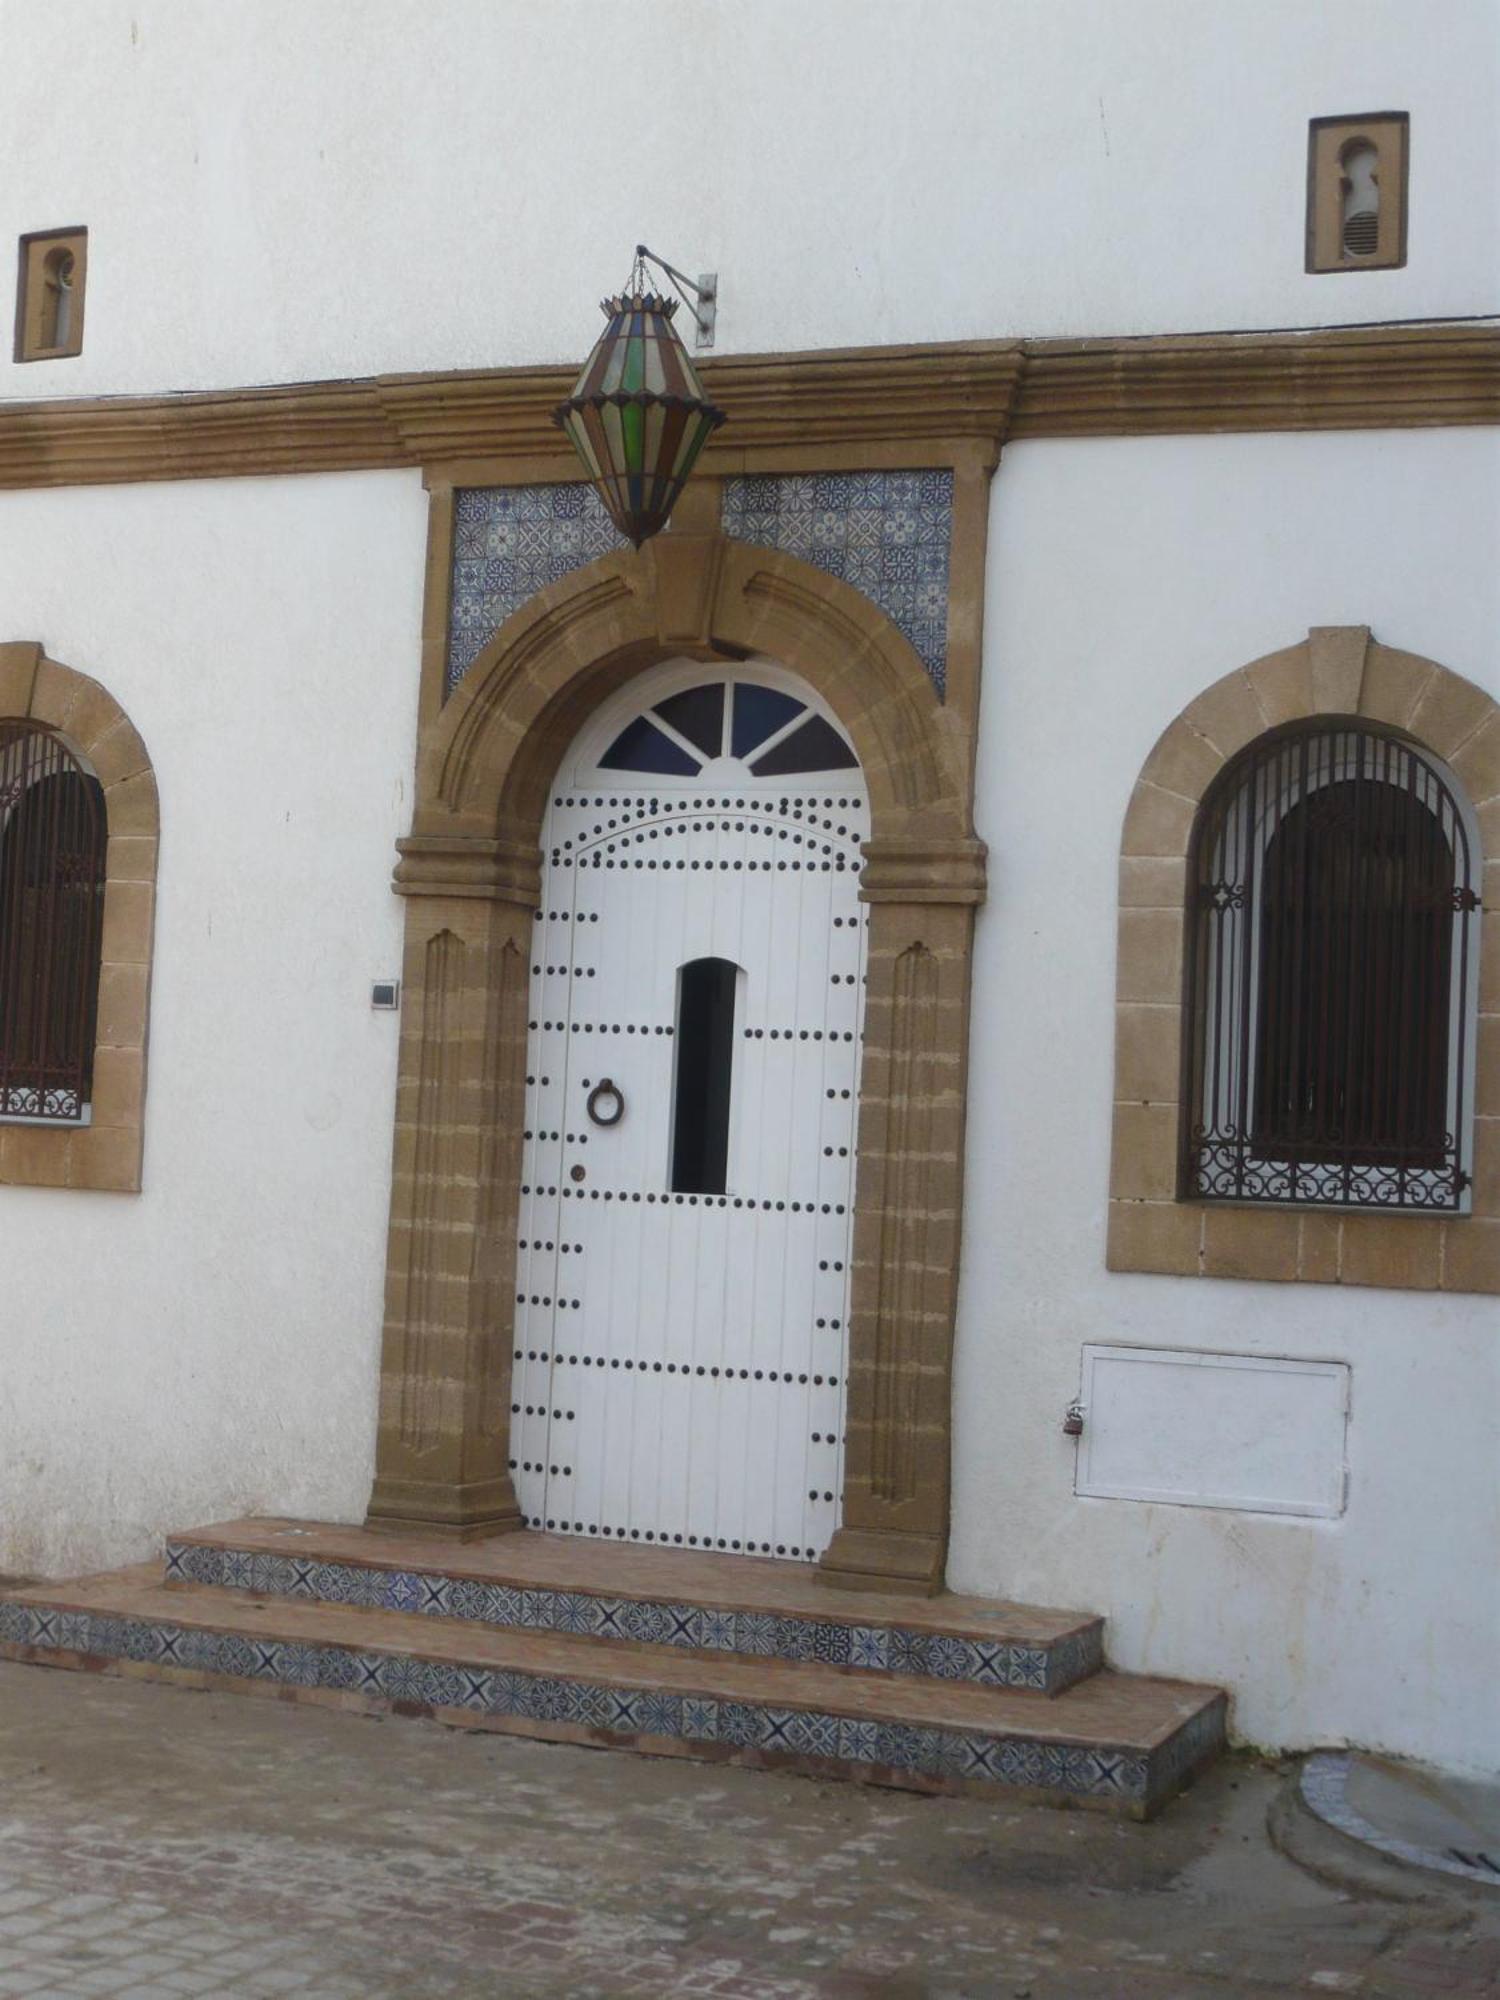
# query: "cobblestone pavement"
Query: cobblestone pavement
154,1842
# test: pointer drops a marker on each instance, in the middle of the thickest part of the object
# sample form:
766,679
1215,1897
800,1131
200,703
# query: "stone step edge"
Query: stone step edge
1039,1666
588,1709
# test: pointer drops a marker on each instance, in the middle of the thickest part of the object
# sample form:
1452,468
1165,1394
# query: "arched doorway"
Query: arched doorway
471,871
687,1195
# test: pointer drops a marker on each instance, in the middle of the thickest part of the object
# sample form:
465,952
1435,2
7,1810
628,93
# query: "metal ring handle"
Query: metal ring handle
612,1099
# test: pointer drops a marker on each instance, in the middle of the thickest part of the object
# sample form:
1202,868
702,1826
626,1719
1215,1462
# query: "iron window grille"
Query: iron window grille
1330,976
52,865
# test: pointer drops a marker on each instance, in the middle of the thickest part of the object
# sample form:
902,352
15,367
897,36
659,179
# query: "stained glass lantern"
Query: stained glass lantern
638,417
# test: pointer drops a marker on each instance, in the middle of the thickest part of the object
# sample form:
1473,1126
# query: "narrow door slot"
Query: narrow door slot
705,1063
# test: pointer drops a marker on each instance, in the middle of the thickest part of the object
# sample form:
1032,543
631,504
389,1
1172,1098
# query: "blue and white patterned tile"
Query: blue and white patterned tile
537,1609
907,1652
403,1678
235,1655
716,1631
476,1689
796,1638
588,1705
700,1719
741,1723
572,1611
552,1700
467,1599
757,1633
958,1756
878,531
298,1581
831,1644
137,1640
949,1659
1019,1762
609,1613
510,1694
337,1668
659,1714
510,542
299,1666
859,1741
647,1623
623,1712
266,1661
199,1650
445,1685
684,1626
503,1605
816,1735
334,1583
1026,1666
401,1591
870,1647
74,1632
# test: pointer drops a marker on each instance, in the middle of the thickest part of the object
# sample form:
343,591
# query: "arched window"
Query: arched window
1331,967
52,878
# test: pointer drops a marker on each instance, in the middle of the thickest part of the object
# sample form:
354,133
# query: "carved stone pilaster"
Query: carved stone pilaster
908,1203
441,1464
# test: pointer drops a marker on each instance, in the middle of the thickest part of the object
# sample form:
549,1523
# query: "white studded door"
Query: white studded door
688,1168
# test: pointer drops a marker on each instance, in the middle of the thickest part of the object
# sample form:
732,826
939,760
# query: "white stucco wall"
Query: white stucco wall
210,1345
1124,578
283,191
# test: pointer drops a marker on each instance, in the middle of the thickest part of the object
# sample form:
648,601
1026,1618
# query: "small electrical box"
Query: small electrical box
385,994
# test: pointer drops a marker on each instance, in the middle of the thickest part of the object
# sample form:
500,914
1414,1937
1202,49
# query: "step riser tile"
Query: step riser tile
762,1635
1129,1781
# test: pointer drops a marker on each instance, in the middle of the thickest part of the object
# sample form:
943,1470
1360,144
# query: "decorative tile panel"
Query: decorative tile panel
887,533
510,542
759,1634
1132,1778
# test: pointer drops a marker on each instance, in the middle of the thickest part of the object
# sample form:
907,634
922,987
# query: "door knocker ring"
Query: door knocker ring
606,1105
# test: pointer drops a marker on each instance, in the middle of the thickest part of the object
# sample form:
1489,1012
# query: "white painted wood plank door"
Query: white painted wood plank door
682,1301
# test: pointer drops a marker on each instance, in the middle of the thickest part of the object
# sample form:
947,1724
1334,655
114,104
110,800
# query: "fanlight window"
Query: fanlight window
774,734
52,856
1330,977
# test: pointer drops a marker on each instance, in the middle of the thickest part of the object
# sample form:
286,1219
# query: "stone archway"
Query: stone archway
470,873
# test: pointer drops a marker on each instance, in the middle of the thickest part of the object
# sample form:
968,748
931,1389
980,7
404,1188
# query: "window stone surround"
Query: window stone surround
105,1154
1337,671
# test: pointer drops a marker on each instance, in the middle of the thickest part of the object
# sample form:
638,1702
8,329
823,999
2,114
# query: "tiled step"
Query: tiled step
655,1596
1119,1742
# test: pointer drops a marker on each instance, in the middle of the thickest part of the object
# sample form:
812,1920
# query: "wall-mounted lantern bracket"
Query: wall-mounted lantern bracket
705,291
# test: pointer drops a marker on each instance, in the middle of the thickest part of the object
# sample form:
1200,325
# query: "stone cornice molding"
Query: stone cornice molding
1355,378
888,404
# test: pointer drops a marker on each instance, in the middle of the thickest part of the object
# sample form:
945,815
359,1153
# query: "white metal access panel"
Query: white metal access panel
693,1061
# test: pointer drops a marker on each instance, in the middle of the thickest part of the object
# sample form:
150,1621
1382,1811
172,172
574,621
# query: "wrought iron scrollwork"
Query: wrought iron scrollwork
1330,965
